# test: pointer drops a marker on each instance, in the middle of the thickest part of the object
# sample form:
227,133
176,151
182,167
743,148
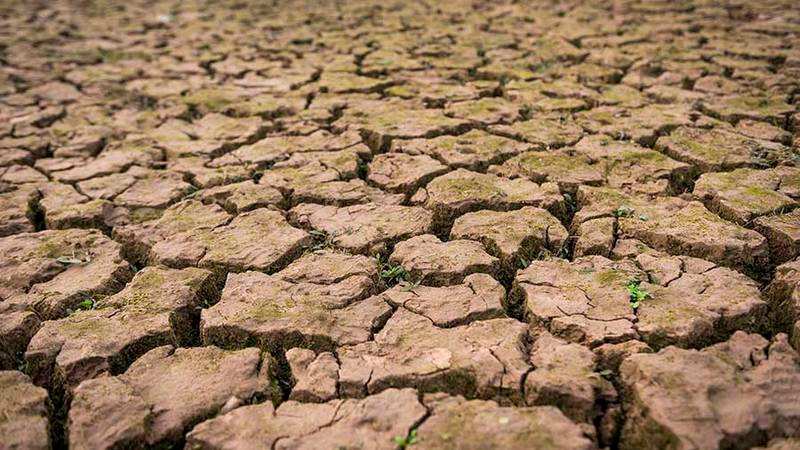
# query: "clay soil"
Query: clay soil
400,225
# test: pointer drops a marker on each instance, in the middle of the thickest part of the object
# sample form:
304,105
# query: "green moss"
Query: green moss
608,277
551,163
469,188
768,106
84,324
400,91
50,248
140,215
211,99
270,309
560,104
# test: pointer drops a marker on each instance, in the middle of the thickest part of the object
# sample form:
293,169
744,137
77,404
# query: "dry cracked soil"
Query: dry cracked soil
400,225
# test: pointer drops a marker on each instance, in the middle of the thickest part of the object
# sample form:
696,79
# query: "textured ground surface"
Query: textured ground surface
378,225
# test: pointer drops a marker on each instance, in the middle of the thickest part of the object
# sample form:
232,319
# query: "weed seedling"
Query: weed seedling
363,169
623,211
405,441
391,274
85,305
637,294
191,192
322,239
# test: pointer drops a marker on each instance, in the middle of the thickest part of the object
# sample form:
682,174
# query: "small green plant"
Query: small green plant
85,305
191,192
637,294
405,441
390,273
323,239
624,211
363,169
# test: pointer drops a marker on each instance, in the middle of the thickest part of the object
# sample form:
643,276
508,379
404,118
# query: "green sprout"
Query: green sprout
406,441
624,211
390,273
637,294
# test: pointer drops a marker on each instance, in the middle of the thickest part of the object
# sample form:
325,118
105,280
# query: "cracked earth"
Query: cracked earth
372,225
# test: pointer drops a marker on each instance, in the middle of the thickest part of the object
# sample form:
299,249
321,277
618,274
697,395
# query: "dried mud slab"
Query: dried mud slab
159,306
370,423
155,190
230,247
482,359
64,208
15,210
472,424
435,197
385,123
314,377
584,301
163,395
318,302
563,167
737,394
628,166
345,83
187,217
764,131
115,159
193,234
512,236
399,172
563,376
345,163
783,235
742,195
53,271
479,297
429,261
733,108
691,302
25,407
695,303
594,237
596,161
783,294
542,133
674,226
473,150
241,197
489,110
17,327
367,228
716,150
462,191
643,125
274,149
344,193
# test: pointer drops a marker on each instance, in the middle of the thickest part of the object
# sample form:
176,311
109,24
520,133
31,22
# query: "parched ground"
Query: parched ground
380,225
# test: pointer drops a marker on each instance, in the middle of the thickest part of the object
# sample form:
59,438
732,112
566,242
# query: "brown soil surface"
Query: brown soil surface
370,225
